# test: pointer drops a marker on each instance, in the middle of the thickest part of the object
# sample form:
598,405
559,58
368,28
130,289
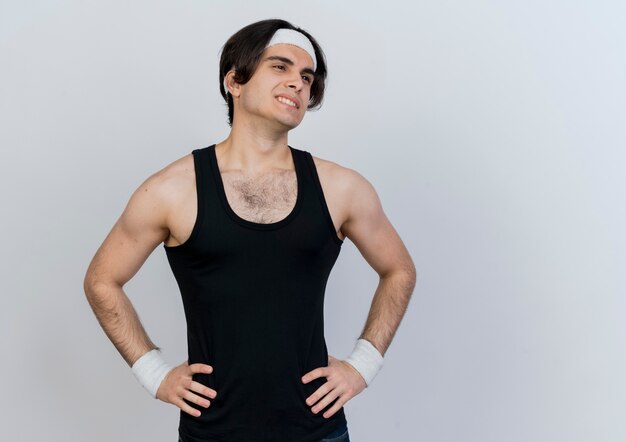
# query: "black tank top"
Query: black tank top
253,297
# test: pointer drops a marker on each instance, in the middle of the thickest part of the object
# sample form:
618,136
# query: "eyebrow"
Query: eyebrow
290,63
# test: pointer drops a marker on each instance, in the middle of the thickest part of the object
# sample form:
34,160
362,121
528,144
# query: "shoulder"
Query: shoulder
178,174
343,179
164,189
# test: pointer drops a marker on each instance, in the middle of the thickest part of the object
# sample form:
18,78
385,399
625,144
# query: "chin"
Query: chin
290,124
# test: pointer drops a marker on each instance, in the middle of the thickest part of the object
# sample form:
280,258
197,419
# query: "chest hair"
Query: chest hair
264,199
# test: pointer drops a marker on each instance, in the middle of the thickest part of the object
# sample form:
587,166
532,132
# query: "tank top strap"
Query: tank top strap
205,183
314,187
208,195
305,180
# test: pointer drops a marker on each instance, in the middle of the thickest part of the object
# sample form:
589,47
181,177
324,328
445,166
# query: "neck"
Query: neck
254,150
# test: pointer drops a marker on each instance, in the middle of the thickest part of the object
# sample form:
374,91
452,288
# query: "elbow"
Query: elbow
408,269
87,284
90,283
408,275
90,288
411,272
93,286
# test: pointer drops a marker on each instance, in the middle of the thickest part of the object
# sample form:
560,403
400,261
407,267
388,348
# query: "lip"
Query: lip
289,97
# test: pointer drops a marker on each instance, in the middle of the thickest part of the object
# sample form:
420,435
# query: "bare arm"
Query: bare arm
138,231
369,229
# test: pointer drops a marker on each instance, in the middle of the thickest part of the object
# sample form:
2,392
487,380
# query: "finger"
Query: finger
314,374
319,393
336,406
202,389
201,368
196,399
325,401
187,408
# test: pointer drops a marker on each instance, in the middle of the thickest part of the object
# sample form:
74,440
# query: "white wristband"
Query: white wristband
366,359
150,370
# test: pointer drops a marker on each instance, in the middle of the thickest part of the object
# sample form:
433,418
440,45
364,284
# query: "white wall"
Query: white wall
492,131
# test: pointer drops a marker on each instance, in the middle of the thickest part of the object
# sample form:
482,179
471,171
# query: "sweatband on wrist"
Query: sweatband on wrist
150,369
366,359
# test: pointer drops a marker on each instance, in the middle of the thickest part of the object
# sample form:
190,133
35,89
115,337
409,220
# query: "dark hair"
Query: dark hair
242,53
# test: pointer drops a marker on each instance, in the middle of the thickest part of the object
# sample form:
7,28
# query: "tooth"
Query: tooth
286,101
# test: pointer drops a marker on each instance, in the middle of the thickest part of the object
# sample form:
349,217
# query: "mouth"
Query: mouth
288,102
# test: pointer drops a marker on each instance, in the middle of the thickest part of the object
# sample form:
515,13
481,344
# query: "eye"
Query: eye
307,78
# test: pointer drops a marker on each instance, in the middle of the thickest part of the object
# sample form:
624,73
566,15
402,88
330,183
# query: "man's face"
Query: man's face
283,77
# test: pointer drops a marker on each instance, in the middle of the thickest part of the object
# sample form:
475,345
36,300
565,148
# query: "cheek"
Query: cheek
252,101
305,98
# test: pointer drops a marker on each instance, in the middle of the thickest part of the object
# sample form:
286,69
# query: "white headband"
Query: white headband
295,38
289,36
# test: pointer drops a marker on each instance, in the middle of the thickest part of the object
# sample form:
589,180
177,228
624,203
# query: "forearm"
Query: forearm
388,307
119,320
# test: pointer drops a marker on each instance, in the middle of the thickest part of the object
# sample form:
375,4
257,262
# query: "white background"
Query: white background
494,133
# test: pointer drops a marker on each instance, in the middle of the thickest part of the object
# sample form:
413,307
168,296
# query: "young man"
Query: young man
252,228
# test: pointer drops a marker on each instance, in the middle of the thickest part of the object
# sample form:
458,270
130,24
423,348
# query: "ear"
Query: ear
230,84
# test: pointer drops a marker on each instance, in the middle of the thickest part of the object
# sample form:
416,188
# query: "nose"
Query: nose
296,82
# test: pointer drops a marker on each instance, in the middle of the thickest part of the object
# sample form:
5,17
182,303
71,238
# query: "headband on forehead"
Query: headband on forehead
295,38
289,36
